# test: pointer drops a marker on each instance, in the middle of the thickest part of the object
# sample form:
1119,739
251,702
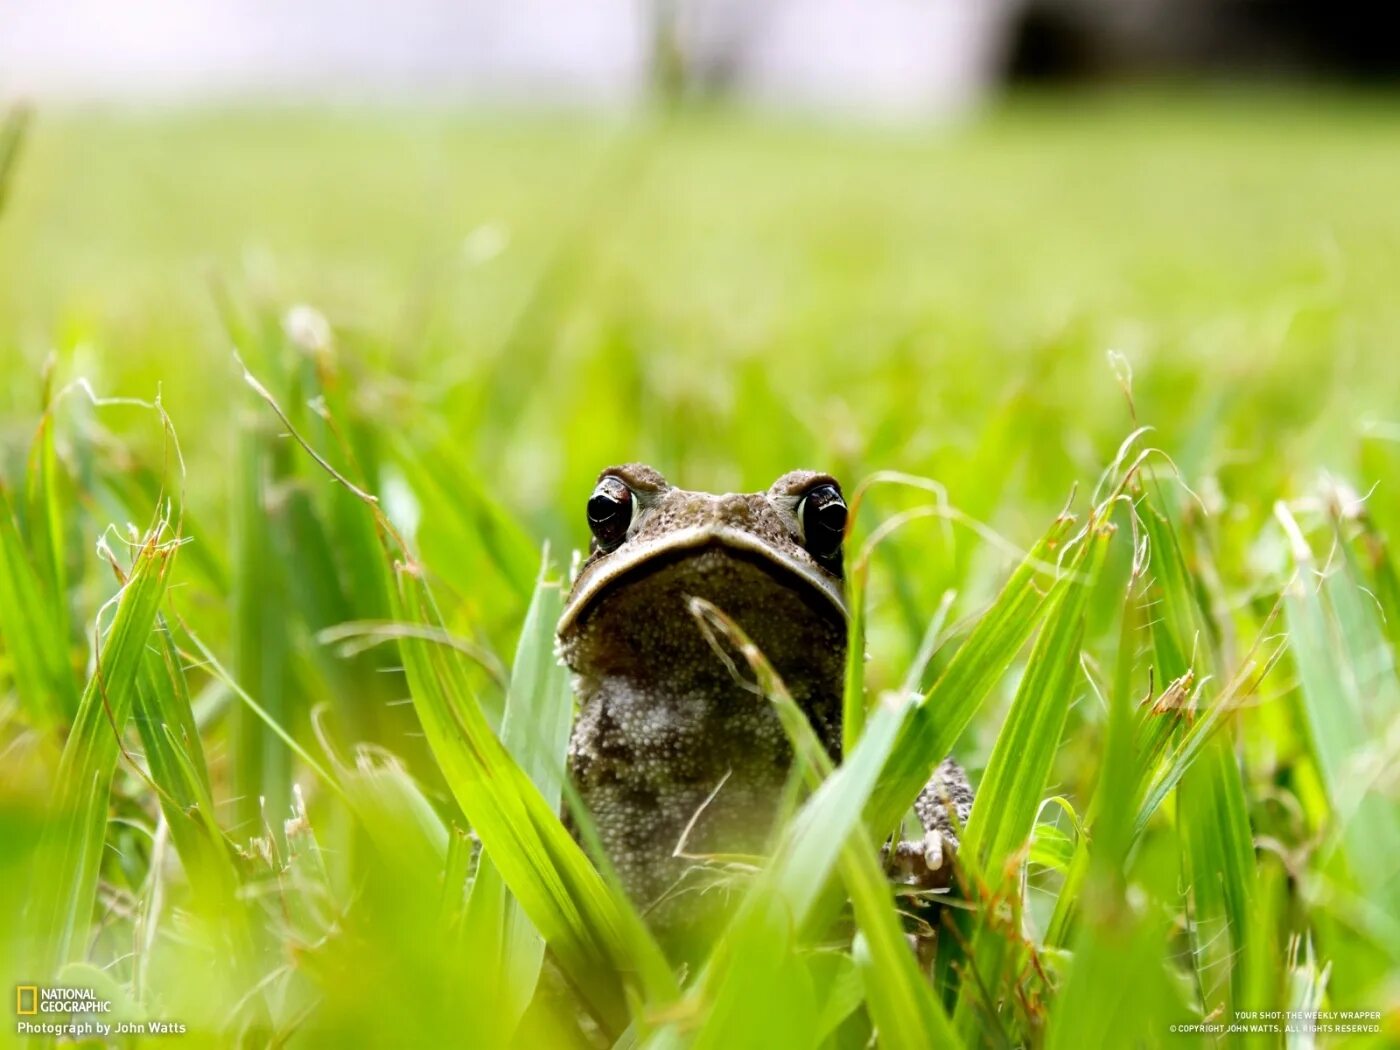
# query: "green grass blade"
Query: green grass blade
1118,992
1009,795
853,690
763,932
178,771
939,719
1219,861
1365,824
176,765
760,953
539,712
34,631
65,877
1119,937
1119,783
899,746
535,730
461,518
1211,813
406,830
598,939
261,768
902,1004
44,505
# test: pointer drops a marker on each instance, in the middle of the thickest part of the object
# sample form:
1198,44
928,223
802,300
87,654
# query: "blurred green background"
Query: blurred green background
515,301
727,297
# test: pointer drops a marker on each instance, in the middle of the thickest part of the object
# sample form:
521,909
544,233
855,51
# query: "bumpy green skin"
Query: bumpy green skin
664,721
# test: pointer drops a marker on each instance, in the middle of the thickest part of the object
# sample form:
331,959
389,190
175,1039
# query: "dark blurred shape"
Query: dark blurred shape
1050,42
1087,39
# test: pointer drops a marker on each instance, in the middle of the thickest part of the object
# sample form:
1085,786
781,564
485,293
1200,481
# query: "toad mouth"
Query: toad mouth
785,570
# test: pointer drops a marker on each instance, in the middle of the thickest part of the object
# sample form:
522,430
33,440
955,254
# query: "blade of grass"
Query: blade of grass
853,694
598,938
1119,783
1120,934
902,743
43,503
1009,797
1219,865
33,630
261,769
403,825
904,1008
176,765
596,935
65,875
1366,826
944,712
177,769
459,506
1211,812
535,731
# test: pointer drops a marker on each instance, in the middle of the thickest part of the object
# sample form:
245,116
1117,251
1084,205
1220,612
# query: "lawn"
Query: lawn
302,409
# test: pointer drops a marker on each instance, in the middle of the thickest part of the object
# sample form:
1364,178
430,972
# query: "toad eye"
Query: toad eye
822,513
610,511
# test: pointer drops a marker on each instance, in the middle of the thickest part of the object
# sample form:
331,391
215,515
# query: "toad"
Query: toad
672,753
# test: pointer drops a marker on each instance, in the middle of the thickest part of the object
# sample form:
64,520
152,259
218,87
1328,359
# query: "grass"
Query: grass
283,761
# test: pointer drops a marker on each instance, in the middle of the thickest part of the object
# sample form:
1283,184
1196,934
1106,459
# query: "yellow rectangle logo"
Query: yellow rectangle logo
33,1008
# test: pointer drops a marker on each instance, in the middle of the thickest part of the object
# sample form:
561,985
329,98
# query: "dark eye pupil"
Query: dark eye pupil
610,512
824,522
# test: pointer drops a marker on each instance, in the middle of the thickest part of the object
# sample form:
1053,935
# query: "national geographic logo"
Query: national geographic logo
75,1013
79,1013
34,999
